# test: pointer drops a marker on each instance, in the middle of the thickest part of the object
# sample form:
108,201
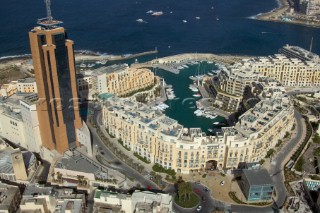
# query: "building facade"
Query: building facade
53,60
257,185
118,80
164,141
27,85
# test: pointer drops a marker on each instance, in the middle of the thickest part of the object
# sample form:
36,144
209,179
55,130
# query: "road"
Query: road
116,163
206,201
276,171
119,165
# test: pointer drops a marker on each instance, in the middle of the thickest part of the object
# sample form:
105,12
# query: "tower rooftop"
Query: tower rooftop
46,22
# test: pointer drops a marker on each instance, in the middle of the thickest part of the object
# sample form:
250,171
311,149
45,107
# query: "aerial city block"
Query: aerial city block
160,107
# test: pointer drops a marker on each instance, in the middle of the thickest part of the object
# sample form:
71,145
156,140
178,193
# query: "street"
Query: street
209,204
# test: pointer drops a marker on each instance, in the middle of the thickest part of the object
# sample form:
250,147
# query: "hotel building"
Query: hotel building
163,140
53,60
116,79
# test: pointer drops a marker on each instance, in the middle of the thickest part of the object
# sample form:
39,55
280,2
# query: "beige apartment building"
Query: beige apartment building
163,140
27,85
6,90
116,79
296,67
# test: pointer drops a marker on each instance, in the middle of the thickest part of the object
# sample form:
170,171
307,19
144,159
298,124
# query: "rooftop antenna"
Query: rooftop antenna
48,6
48,22
311,43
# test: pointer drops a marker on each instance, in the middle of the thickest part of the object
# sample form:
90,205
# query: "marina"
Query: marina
199,113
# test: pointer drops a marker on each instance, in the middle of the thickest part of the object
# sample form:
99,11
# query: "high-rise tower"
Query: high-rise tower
54,67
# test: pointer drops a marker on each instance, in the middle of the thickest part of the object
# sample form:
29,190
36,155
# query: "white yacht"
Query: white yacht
197,95
83,65
159,13
140,20
184,21
150,11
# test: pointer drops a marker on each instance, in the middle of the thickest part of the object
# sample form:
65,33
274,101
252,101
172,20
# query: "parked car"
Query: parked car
199,208
222,183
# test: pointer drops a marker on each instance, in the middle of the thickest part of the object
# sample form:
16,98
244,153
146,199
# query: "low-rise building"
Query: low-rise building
9,89
16,165
41,199
257,185
27,85
37,198
66,201
138,201
9,198
76,170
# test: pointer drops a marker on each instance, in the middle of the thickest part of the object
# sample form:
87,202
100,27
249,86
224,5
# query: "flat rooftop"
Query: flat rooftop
27,80
109,69
257,177
80,163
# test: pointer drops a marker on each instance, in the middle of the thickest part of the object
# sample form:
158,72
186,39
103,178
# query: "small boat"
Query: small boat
150,11
210,130
210,62
159,13
171,12
217,18
216,123
210,74
140,20
91,65
103,62
197,95
83,65
184,21
198,17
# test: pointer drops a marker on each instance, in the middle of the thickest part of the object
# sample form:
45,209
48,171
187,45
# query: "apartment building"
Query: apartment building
116,79
9,89
229,88
27,85
10,198
295,67
163,140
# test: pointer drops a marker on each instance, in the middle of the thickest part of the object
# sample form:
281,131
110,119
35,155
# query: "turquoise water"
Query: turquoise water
182,107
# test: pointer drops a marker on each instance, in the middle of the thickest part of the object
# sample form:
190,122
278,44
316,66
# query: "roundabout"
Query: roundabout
188,202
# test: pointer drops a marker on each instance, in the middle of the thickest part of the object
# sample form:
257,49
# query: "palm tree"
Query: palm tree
181,190
188,189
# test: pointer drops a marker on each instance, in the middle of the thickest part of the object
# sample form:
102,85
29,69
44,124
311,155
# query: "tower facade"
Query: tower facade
54,68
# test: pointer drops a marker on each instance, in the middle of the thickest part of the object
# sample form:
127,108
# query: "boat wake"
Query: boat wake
14,56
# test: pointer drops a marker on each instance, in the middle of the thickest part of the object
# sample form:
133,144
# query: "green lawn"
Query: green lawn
188,203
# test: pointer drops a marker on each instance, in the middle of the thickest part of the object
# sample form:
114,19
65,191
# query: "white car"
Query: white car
222,183
199,208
